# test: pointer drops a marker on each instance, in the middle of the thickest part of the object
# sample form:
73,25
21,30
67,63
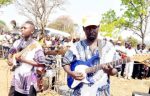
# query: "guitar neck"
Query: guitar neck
113,63
24,50
29,47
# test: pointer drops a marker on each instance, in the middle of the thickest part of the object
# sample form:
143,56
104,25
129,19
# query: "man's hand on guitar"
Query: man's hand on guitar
77,75
109,69
9,61
18,56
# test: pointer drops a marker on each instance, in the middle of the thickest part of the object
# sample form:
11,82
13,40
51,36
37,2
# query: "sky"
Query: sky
76,9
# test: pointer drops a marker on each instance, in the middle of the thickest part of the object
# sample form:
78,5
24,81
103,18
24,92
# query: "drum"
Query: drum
140,94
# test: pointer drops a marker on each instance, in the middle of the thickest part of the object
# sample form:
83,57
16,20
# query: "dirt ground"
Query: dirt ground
119,86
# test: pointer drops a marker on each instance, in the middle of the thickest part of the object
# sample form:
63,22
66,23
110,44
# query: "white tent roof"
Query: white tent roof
57,32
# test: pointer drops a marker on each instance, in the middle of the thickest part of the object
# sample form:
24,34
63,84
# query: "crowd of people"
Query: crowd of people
6,41
30,52
132,69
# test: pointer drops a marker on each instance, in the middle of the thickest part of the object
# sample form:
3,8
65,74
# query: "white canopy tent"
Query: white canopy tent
51,31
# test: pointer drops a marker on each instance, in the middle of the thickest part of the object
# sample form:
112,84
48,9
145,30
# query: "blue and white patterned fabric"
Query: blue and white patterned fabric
81,51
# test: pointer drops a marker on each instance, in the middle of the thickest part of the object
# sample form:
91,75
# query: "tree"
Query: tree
136,16
3,26
133,41
63,23
39,11
110,24
5,2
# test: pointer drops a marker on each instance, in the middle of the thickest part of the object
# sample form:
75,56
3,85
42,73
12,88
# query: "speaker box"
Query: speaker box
140,94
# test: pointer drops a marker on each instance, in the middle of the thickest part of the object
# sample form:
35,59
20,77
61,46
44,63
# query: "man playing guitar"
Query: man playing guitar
88,51
30,59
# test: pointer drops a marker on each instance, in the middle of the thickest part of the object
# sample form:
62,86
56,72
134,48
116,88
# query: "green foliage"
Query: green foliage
108,23
136,9
133,41
2,24
111,24
134,18
5,2
108,17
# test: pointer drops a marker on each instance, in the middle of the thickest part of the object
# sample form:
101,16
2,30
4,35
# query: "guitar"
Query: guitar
28,48
85,68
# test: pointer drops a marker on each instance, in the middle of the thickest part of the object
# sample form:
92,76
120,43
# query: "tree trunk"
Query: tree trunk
143,39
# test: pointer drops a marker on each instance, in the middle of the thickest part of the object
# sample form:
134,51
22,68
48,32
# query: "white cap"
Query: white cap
119,41
90,20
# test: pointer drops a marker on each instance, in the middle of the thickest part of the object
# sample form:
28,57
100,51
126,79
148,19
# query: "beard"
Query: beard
92,38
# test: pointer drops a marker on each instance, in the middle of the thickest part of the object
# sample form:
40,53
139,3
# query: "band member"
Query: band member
84,51
30,59
129,66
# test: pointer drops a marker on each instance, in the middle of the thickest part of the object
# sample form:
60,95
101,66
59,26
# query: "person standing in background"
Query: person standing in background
129,66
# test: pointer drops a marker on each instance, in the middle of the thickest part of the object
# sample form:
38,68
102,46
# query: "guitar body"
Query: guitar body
78,66
95,82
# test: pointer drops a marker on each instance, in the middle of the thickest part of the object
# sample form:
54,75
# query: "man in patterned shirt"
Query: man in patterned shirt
85,50
30,56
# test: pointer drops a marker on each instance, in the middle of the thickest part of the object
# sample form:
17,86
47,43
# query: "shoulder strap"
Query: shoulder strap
28,48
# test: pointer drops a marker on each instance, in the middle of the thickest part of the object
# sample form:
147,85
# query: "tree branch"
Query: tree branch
136,9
